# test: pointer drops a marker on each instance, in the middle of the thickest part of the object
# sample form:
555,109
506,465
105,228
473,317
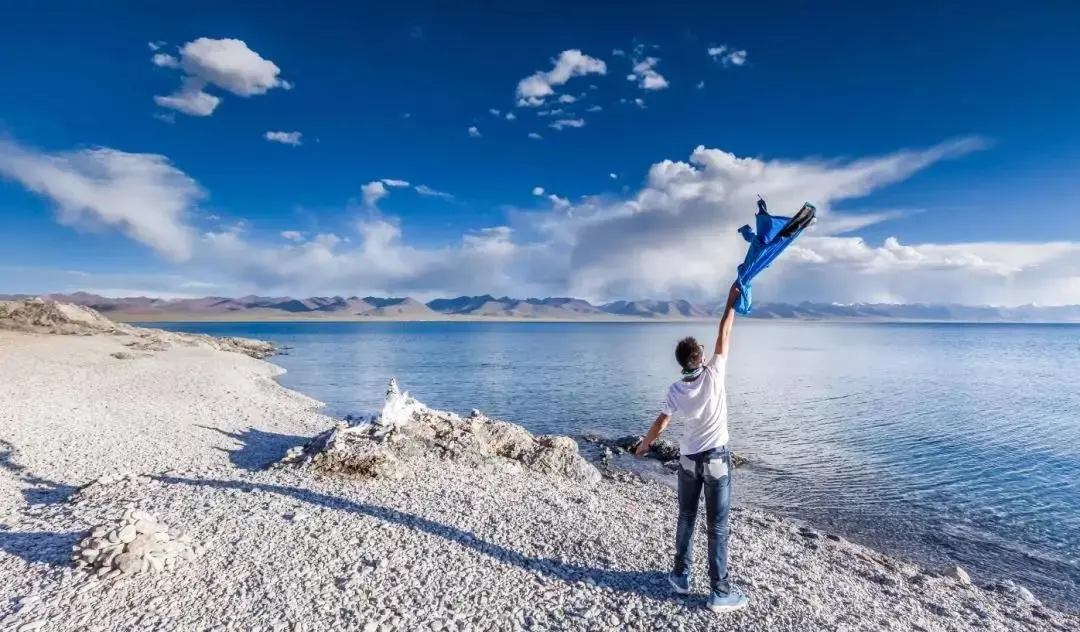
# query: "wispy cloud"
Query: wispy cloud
285,138
534,89
564,123
474,132
142,195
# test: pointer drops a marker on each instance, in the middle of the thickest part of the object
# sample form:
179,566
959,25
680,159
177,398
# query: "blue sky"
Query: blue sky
105,188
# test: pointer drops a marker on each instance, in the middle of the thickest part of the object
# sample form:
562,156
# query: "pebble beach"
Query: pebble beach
111,433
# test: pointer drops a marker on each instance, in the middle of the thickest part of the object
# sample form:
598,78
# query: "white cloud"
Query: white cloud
390,182
559,202
555,112
495,112
155,45
423,189
594,108
285,138
165,61
701,84
618,52
532,90
613,176
535,136
292,235
373,192
538,191
165,117
510,116
727,56
564,123
646,75
639,102
475,133
567,98
190,99
676,236
225,63
141,195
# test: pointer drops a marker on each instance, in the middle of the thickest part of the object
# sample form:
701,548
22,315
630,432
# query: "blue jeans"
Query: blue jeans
709,470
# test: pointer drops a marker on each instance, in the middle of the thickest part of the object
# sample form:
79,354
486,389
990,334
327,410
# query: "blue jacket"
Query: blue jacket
774,234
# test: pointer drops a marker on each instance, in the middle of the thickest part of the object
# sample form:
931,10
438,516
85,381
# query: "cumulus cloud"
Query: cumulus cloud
142,195
373,192
594,108
727,56
285,138
495,112
475,133
190,99
646,76
538,191
510,116
423,189
675,236
564,123
567,98
227,64
534,89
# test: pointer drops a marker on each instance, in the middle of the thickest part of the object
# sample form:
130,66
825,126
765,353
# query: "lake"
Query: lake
941,443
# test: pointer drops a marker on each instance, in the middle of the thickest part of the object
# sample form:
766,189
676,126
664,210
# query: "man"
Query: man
704,462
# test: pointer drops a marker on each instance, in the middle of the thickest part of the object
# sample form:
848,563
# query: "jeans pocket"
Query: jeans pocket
716,468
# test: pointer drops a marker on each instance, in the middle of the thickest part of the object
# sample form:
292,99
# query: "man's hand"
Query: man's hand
657,427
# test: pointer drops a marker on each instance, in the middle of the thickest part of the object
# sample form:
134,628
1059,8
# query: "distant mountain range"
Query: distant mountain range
488,307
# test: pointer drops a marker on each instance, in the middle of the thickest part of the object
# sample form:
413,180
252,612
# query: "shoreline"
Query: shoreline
450,547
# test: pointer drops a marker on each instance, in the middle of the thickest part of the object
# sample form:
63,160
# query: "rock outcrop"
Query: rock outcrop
385,444
38,315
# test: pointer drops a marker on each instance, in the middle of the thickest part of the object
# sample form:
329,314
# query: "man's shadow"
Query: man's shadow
40,490
651,584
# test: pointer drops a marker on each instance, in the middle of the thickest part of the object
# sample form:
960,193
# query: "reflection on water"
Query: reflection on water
944,443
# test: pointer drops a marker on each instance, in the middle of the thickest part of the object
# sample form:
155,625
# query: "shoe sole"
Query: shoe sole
677,589
725,609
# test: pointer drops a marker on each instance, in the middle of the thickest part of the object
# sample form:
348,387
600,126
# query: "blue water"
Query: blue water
949,443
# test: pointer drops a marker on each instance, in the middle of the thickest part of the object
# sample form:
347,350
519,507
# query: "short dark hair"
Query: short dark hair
688,353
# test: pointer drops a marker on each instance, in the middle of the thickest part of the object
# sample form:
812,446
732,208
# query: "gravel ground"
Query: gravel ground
447,548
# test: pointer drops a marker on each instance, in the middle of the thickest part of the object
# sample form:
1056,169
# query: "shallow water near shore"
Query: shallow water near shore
941,443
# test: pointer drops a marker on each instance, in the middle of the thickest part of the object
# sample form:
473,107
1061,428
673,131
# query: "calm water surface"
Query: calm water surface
940,443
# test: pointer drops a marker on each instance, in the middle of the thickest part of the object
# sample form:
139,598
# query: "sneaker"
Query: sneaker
727,603
681,583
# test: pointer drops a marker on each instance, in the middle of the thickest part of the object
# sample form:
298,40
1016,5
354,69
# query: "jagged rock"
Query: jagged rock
662,449
960,575
1016,591
383,445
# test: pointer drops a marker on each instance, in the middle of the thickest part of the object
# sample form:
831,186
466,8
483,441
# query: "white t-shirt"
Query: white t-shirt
702,406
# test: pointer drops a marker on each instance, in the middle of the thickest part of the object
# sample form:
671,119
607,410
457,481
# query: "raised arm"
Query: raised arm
723,339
